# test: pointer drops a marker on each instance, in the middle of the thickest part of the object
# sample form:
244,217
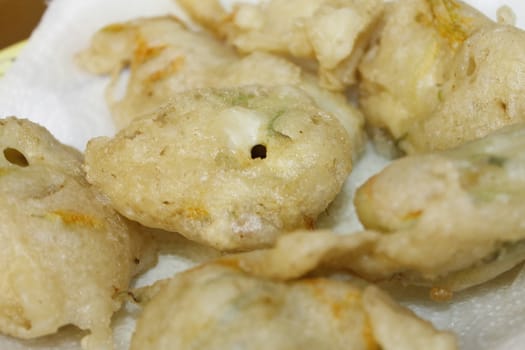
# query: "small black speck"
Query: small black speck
258,151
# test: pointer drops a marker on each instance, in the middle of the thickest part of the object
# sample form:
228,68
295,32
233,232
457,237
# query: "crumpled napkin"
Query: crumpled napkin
45,85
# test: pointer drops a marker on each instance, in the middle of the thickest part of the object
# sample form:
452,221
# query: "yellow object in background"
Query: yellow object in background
8,56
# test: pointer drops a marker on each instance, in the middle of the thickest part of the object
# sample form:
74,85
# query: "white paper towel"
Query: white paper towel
45,86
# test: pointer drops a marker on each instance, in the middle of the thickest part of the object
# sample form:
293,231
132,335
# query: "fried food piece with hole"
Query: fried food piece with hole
230,168
166,57
269,70
418,66
66,254
219,306
331,35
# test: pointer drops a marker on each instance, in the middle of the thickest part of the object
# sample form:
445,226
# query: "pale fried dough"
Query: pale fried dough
449,220
331,34
66,255
414,55
483,92
166,57
450,211
231,168
219,306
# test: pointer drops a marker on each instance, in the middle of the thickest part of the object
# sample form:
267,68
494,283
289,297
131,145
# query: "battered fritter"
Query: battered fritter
166,57
330,35
440,74
218,306
482,93
66,255
454,210
230,168
448,220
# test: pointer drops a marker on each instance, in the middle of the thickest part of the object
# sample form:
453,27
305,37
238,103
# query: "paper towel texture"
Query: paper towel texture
45,86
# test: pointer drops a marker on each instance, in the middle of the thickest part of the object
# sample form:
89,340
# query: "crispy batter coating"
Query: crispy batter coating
65,253
330,34
231,168
377,257
450,211
218,306
418,68
483,92
165,57
449,220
